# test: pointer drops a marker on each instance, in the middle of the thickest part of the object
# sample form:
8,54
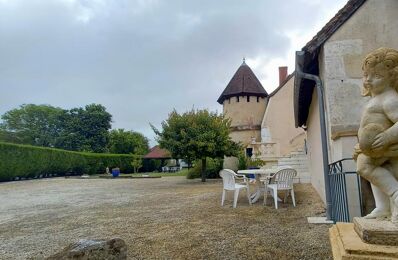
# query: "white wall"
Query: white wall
314,147
279,120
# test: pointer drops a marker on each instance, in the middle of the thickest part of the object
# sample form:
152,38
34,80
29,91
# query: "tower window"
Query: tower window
258,99
229,101
248,98
237,99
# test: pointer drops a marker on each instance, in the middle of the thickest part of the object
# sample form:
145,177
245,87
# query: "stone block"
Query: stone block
346,244
375,231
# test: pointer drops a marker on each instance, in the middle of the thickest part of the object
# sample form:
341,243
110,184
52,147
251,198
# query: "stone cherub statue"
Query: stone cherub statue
377,150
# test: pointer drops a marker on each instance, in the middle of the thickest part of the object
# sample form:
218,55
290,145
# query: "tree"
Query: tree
136,163
85,129
78,129
197,134
32,124
121,141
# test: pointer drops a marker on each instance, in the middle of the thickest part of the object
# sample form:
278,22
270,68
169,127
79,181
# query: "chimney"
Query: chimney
282,74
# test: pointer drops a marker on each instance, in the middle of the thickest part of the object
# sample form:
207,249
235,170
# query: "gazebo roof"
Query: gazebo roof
158,153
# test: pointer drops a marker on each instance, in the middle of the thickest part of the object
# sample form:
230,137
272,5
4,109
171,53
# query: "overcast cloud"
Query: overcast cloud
142,58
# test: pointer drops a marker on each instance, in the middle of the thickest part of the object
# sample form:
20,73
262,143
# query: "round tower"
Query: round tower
244,101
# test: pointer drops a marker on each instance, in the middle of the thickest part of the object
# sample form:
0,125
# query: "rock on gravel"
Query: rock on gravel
98,249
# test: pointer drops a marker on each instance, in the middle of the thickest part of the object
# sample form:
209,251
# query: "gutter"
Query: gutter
325,157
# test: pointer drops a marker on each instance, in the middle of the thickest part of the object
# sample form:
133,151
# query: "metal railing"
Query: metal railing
338,189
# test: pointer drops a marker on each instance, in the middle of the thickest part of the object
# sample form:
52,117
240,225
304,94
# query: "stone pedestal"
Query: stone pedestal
347,244
381,232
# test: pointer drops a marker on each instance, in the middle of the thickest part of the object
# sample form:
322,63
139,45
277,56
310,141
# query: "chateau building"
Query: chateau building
244,101
264,123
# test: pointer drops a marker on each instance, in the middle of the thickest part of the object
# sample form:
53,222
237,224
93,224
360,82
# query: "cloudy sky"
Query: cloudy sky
142,58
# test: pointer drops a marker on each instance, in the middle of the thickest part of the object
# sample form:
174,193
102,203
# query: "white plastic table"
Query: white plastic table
258,173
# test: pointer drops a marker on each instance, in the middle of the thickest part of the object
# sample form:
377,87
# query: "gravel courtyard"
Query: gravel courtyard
165,218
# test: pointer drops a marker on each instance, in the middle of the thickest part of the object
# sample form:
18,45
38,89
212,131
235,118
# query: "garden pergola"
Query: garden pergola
159,154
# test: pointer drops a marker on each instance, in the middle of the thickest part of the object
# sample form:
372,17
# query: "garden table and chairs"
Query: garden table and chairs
259,174
272,180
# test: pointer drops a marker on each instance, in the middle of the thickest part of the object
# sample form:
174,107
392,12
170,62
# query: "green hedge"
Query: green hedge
25,161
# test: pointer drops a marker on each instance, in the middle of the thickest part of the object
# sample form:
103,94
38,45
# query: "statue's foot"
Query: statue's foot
395,199
394,218
377,213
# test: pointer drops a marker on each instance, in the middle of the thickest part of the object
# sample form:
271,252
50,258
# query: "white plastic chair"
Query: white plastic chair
229,183
281,180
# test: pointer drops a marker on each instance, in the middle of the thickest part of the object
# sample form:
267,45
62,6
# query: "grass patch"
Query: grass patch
183,172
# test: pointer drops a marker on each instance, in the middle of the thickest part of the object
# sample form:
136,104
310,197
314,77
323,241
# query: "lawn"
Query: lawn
161,218
183,172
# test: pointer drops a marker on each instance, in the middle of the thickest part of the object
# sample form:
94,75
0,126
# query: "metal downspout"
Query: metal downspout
325,157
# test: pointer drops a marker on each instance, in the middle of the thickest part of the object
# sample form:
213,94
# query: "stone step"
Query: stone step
298,160
301,166
293,166
293,160
293,163
297,154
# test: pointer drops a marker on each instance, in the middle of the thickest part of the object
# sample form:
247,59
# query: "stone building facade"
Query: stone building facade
244,101
335,55
262,123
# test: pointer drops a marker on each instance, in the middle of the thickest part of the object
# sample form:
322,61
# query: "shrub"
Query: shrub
242,161
25,161
150,165
213,167
245,162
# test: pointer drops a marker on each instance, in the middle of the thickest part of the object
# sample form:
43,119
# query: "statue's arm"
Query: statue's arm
391,110
392,151
389,136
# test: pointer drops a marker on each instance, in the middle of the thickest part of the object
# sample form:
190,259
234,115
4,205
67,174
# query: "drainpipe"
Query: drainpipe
325,158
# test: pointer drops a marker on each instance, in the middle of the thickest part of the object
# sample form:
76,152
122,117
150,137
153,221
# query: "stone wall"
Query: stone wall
245,117
374,25
279,120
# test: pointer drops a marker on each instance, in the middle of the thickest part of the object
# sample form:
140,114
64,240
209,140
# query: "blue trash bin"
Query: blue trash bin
115,172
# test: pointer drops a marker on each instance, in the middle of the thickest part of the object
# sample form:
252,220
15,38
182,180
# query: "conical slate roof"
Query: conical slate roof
243,83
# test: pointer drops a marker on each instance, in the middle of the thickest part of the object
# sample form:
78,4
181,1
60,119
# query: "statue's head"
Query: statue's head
380,69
